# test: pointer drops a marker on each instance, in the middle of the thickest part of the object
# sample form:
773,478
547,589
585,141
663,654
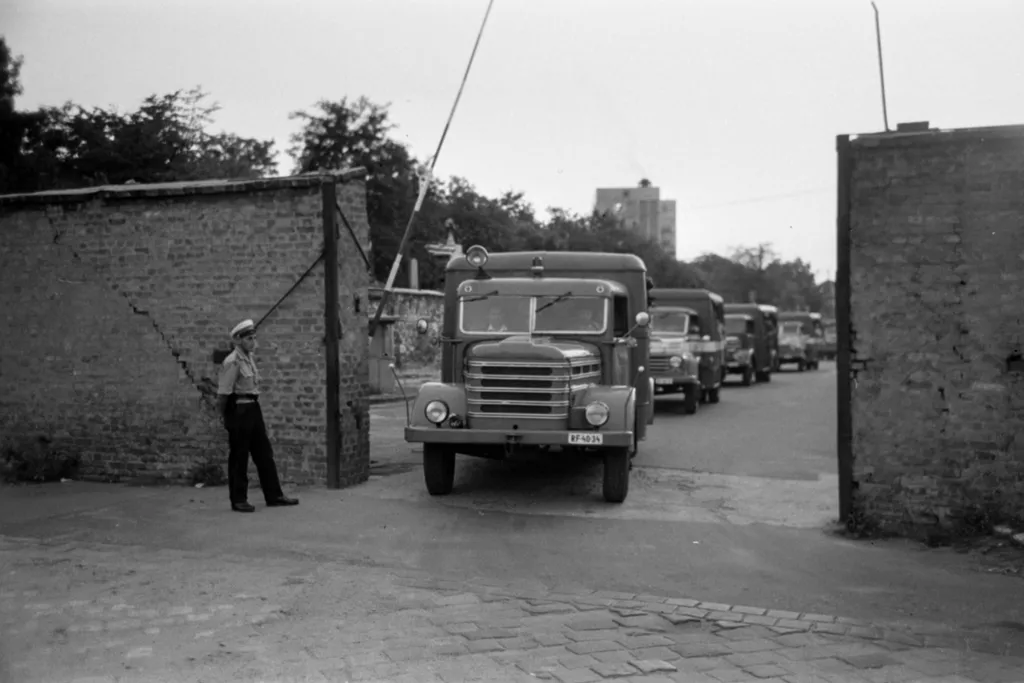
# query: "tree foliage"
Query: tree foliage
167,138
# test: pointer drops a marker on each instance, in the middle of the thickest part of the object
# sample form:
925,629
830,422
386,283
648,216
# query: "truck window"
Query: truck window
622,323
670,321
735,325
573,315
495,315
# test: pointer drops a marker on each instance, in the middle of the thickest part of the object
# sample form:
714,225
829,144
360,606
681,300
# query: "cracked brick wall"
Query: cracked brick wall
937,303
114,303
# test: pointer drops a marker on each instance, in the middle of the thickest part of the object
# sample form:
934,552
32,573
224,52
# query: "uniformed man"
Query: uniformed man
239,402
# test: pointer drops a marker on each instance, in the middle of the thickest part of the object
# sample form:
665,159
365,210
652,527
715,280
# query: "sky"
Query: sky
731,107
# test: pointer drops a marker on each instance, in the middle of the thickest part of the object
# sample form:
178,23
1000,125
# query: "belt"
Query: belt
247,398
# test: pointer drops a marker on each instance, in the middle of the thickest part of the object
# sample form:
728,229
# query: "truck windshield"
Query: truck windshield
575,315
791,328
555,314
670,321
735,325
496,315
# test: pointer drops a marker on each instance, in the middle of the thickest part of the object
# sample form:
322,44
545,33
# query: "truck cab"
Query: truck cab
705,335
751,343
540,351
801,334
674,367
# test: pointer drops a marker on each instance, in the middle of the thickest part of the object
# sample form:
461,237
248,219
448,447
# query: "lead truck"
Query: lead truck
542,351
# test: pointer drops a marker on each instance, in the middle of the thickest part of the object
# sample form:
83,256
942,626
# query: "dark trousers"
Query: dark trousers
247,434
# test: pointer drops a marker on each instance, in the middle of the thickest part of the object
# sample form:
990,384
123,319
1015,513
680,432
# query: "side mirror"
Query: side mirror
643,319
422,326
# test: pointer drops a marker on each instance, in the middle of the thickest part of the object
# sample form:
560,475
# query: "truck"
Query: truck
705,334
800,336
751,344
673,365
542,351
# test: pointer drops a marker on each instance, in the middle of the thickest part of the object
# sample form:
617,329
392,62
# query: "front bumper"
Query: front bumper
444,435
680,379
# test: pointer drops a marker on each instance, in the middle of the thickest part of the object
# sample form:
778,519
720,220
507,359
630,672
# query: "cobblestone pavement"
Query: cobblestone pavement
100,614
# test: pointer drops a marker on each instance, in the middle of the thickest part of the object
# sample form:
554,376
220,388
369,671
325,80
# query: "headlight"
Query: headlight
597,413
436,411
675,361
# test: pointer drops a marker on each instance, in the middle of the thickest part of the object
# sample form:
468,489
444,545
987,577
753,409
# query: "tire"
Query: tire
764,376
438,469
713,396
748,376
801,366
616,474
690,400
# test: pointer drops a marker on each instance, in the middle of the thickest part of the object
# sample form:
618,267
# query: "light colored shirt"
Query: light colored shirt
239,374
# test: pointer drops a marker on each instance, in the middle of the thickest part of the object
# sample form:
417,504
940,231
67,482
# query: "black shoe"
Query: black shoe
283,500
243,507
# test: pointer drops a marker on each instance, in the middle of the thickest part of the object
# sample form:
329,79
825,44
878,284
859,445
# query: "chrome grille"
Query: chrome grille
660,364
732,343
526,388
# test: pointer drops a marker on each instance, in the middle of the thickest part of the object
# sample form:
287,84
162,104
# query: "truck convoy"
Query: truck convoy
563,352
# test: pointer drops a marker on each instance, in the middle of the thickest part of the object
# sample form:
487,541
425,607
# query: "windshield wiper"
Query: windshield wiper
560,297
479,297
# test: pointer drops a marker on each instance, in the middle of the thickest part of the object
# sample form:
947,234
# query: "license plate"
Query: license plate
586,438
663,380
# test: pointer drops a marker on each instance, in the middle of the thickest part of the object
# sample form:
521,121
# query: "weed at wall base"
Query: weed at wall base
35,460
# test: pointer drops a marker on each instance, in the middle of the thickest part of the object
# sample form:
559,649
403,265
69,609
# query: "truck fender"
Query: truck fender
454,395
621,402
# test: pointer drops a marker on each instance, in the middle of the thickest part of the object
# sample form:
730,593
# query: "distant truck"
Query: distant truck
705,333
752,341
674,366
539,350
800,336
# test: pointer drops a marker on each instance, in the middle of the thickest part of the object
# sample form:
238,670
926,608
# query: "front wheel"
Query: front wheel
801,366
713,396
438,469
616,474
748,376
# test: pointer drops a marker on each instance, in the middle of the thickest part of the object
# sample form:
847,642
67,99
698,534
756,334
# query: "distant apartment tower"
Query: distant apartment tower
641,210
667,225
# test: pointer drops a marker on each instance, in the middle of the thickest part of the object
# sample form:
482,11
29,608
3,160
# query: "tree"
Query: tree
16,173
346,134
790,285
165,140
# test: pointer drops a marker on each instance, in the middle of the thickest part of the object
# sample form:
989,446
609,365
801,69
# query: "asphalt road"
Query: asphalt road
783,429
728,505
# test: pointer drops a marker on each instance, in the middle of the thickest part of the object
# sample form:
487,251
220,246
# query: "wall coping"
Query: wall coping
911,138
181,188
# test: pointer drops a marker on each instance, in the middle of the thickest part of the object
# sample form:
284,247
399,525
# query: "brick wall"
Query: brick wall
114,301
937,318
419,354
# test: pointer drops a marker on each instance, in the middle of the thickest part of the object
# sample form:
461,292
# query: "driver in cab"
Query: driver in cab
586,320
496,320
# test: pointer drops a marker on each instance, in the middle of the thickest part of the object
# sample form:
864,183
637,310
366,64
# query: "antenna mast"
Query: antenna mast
881,69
